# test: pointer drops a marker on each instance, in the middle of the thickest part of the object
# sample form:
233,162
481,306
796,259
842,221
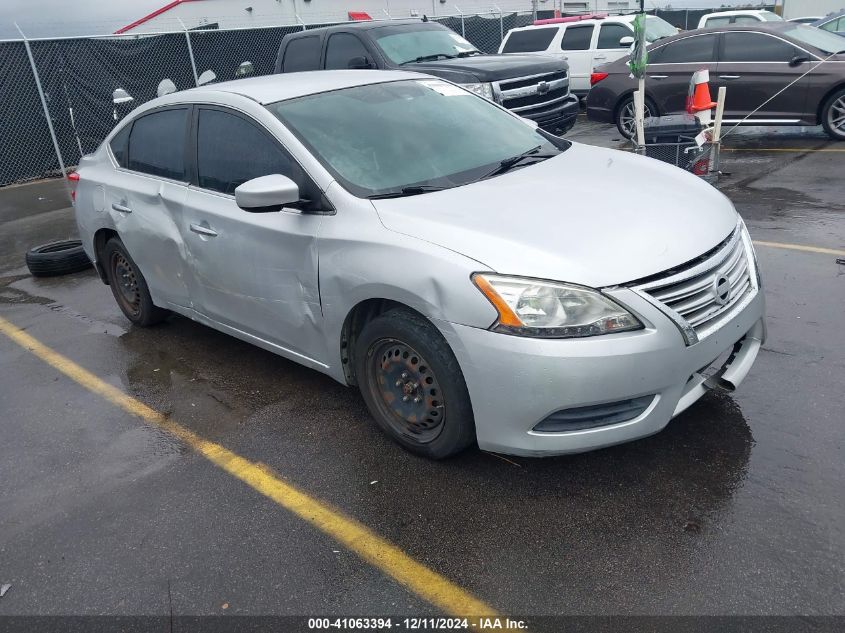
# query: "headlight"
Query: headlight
530,307
482,90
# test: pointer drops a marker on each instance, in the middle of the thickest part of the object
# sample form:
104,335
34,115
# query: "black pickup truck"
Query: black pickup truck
534,87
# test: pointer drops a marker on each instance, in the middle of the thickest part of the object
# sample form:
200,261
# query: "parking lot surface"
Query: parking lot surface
736,508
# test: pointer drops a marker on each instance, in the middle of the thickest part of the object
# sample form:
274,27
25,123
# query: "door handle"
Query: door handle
658,76
729,77
600,57
121,208
203,230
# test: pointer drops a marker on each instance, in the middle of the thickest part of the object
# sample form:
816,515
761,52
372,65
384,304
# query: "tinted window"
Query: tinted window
755,47
118,145
157,144
302,54
835,25
745,19
342,48
610,34
711,22
577,38
529,41
230,151
688,50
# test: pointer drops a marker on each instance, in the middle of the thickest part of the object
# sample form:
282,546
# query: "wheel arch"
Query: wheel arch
101,237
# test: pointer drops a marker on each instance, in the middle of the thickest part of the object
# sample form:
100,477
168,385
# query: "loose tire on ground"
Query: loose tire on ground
833,115
129,286
57,258
413,385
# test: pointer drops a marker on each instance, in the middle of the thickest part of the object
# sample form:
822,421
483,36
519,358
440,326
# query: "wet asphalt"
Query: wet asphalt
737,508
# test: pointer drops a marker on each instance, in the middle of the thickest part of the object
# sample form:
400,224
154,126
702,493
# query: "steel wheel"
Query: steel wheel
128,293
406,391
625,119
836,116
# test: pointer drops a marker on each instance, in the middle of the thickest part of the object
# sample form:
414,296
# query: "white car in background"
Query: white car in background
747,16
583,41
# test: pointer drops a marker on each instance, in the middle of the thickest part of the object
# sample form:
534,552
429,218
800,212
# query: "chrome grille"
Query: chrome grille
535,92
702,296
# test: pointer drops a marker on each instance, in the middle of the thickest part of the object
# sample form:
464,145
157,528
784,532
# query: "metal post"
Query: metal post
46,110
501,24
190,51
463,29
299,19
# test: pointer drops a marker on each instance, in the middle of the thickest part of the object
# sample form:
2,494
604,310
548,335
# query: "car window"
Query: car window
118,145
834,25
755,47
302,54
529,41
343,47
230,151
610,34
577,38
697,49
157,144
711,22
745,19
768,16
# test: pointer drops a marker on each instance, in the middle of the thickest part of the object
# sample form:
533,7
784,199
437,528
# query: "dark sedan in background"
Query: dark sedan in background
755,62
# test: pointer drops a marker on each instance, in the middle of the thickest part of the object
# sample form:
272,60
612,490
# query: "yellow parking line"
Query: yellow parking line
375,550
801,247
782,149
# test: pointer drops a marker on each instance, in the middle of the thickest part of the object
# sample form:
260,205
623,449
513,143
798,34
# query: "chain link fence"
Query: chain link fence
78,77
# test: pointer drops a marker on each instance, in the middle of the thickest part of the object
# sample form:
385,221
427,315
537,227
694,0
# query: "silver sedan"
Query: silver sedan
478,279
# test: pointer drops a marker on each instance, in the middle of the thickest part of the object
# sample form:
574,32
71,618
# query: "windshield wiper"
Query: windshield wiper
509,163
468,53
428,58
405,192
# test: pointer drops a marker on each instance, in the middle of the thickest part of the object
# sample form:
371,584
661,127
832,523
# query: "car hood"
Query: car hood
492,67
590,216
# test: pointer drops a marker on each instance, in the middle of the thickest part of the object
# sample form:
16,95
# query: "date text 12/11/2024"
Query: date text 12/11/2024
418,624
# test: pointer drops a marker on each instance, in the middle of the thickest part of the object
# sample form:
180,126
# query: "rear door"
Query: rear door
577,43
754,67
145,199
255,273
671,66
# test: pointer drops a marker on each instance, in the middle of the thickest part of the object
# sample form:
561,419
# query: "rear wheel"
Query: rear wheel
833,115
129,286
413,386
625,115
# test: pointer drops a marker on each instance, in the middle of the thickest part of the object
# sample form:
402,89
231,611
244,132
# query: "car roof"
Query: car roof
735,12
271,88
829,17
627,17
363,25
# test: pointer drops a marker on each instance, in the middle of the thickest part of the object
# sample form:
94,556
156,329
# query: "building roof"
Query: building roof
150,16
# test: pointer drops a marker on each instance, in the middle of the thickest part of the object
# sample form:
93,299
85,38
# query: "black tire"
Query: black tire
57,258
129,286
624,105
400,346
833,115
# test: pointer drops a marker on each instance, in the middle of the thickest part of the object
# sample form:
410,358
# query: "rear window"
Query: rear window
302,54
690,50
529,41
157,144
577,38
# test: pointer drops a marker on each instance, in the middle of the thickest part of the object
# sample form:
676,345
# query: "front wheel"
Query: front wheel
625,115
833,115
413,386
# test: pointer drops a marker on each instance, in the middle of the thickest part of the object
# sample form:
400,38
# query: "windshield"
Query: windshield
823,40
402,45
658,28
381,138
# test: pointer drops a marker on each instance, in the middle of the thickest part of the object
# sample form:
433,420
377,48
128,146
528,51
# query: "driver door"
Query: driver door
253,273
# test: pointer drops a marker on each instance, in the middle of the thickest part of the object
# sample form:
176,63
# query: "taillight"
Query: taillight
73,179
597,77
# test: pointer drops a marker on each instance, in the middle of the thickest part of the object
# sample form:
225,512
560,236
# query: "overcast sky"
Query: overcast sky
90,17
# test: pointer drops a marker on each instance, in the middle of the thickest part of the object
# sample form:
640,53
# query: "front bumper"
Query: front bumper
516,382
558,118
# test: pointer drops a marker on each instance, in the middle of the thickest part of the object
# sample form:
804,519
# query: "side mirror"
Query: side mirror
798,60
244,69
359,63
267,193
626,41
121,96
206,78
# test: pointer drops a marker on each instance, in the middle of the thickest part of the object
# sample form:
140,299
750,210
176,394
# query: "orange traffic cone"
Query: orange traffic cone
699,101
